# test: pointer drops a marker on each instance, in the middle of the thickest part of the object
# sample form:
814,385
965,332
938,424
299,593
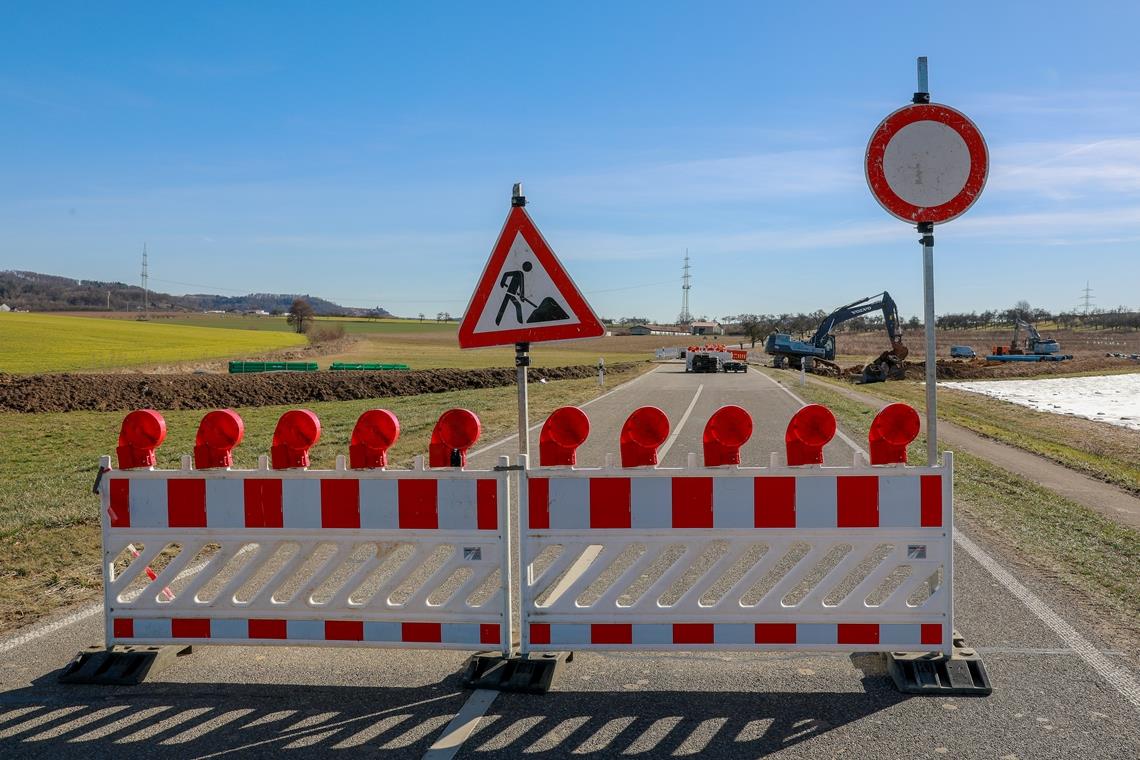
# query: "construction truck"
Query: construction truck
1037,348
820,349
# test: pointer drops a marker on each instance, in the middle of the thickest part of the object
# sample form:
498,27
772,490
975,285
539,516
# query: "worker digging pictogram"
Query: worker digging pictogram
514,282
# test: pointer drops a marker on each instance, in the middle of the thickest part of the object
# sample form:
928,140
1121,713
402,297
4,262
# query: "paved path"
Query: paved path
1089,492
1058,693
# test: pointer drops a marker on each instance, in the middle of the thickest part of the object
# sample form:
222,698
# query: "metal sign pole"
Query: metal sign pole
522,361
926,230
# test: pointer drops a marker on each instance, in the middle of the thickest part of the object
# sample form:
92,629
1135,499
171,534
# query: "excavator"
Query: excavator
1037,348
820,349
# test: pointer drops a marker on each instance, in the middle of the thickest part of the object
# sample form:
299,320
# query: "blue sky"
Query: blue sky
365,153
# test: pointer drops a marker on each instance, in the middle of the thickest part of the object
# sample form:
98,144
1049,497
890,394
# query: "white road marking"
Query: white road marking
462,725
661,452
83,613
532,428
842,436
1120,679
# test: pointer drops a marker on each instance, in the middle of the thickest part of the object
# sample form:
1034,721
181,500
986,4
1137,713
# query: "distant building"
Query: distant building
706,328
657,330
5,307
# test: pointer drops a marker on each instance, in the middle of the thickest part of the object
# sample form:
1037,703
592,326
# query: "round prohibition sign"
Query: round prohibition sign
926,163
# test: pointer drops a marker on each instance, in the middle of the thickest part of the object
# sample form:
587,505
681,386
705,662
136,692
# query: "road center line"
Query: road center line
532,428
1118,678
661,452
462,725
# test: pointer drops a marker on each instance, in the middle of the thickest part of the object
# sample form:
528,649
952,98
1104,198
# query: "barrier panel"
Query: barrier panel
292,556
728,557
719,556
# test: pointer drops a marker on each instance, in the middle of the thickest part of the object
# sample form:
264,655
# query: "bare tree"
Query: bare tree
300,315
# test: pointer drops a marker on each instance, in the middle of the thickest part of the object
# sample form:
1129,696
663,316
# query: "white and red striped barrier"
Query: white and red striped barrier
720,556
793,555
360,556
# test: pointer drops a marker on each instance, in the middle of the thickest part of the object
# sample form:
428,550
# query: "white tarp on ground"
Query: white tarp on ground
1106,398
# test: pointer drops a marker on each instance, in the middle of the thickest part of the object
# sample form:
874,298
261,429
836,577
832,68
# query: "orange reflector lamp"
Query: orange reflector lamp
562,434
893,429
727,430
454,433
644,430
142,432
809,431
296,432
218,433
376,431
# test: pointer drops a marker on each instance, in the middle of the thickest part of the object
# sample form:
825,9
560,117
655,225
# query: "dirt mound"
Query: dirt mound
69,393
980,369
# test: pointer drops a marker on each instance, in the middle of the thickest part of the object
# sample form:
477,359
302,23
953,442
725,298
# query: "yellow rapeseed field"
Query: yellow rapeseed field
31,343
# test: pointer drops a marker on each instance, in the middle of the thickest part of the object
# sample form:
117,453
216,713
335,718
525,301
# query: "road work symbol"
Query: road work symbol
515,283
525,294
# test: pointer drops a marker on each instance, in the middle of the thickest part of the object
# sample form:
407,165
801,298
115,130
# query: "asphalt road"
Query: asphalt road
1057,692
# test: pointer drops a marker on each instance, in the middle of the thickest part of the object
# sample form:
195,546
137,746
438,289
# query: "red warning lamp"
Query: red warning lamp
218,433
810,430
645,430
142,432
296,432
455,432
727,430
895,426
562,434
376,431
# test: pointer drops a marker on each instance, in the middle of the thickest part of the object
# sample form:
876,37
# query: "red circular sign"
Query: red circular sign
926,163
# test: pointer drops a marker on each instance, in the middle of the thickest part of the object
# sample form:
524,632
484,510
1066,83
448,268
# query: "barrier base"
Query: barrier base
934,673
531,674
120,665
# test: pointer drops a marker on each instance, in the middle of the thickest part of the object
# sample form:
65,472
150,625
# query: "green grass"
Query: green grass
1099,450
49,529
1090,552
34,343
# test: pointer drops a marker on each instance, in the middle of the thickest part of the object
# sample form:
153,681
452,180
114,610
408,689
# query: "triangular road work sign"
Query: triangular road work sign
525,295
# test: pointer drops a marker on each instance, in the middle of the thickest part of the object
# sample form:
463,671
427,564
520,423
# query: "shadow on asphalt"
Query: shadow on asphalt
219,719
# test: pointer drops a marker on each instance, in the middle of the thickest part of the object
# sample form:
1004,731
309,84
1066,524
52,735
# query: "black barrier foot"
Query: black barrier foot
121,665
934,673
531,674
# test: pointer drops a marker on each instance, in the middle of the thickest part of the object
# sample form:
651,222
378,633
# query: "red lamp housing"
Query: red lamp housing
455,432
727,430
142,432
562,434
809,431
376,431
894,427
297,431
645,430
218,433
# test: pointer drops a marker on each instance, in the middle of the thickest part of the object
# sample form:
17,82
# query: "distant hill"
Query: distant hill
46,292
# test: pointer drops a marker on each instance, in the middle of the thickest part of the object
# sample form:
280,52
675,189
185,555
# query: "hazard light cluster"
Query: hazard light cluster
565,430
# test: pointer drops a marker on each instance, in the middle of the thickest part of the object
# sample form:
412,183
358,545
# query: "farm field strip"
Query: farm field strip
40,343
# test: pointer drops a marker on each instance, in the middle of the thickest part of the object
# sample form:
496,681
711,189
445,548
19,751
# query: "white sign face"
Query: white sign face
524,295
926,163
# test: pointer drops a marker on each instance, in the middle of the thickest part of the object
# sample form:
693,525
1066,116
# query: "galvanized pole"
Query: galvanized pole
522,354
926,230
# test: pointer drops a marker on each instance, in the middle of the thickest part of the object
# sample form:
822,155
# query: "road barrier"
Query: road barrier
793,555
286,555
727,557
